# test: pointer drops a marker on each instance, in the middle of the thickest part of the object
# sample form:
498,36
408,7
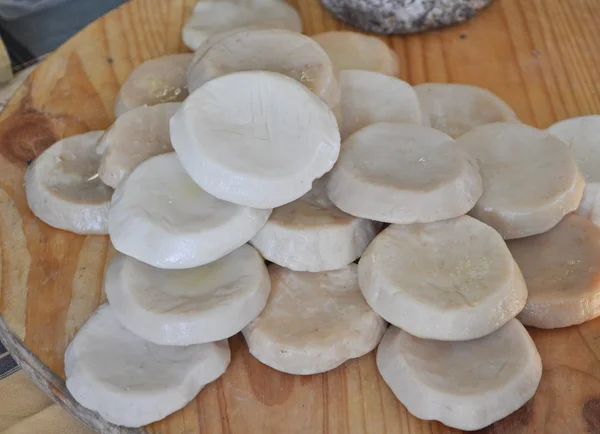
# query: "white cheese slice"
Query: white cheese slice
311,234
255,138
159,216
132,382
371,97
465,385
289,53
63,189
401,173
192,306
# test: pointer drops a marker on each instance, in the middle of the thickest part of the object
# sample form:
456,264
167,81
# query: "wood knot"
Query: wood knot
591,414
24,136
516,422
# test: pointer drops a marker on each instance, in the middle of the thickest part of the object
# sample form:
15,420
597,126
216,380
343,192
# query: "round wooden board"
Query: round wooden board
541,56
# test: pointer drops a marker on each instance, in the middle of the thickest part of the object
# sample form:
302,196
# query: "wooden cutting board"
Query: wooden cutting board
541,56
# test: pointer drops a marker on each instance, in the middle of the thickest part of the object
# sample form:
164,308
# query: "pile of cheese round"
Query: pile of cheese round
266,143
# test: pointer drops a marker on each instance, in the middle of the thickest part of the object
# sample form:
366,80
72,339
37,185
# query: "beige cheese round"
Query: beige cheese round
288,53
313,322
137,135
402,173
582,136
562,271
63,189
352,50
457,108
155,81
449,280
466,385
370,97
311,234
531,180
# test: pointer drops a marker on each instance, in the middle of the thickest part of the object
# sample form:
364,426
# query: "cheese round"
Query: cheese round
457,108
371,97
132,382
255,138
401,173
155,81
531,180
352,50
213,16
311,234
449,280
466,385
192,306
581,136
137,135
562,271
159,216
288,53
313,322
63,189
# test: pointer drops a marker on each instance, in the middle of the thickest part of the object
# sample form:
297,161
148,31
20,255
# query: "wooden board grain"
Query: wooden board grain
541,56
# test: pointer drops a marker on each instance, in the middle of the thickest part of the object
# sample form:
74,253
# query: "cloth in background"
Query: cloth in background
45,29
12,9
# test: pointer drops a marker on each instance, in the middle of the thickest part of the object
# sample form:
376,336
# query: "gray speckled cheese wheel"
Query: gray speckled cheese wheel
403,16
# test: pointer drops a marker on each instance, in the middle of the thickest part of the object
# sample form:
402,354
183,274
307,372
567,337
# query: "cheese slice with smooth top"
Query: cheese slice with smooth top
466,385
311,234
213,16
531,180
137,135
582,136
370,97
457,108
450,280
288,53
63,189
132,382
401,173
159,216
155,81
352,50
193,306
313,322
562,271
255,138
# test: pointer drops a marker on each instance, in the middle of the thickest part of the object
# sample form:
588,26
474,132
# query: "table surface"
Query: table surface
541,56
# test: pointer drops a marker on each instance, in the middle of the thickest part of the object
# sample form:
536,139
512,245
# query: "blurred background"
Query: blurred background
31,29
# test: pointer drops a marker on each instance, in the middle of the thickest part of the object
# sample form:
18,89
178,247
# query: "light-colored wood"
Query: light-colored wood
541,56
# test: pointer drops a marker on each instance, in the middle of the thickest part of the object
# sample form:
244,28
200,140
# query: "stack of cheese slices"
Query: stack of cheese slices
266,143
